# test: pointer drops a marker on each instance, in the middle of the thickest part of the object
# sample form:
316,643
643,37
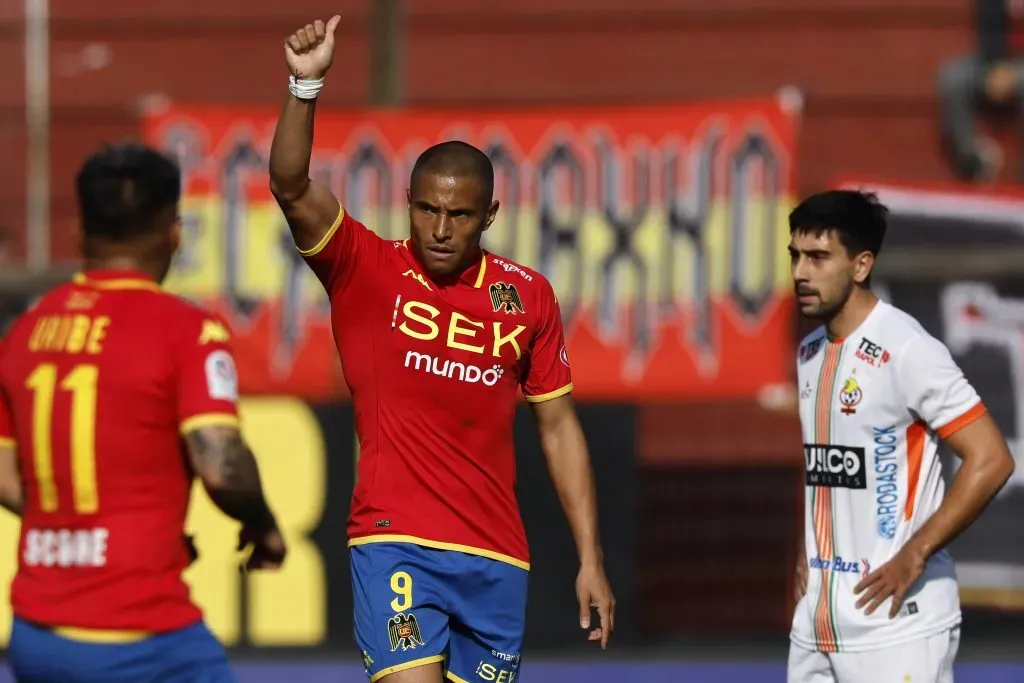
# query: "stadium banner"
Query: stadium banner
982,322
307,456
662,228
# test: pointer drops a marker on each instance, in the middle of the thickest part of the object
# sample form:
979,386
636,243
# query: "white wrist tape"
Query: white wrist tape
305,88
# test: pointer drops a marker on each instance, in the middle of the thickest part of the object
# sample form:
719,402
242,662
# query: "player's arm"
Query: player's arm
936,391
986,466
547,387
12,496
220,457
312,211
568,459
226,466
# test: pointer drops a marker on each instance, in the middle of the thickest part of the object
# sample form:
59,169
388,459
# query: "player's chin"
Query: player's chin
812,309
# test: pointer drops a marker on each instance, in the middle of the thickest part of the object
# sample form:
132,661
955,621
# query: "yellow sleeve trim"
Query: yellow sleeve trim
208,420
403,667
440,545
89,635
327,235
550,395
8,441
455,678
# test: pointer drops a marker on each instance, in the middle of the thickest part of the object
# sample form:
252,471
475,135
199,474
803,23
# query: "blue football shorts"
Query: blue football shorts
416,605
190,655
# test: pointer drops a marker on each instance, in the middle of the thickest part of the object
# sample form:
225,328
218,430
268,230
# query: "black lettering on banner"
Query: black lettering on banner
560,229
241,162
688,208
506,177
754,150
184,145
623,224
365,165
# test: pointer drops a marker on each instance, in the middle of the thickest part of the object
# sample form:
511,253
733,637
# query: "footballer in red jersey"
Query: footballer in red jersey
437,337
113,396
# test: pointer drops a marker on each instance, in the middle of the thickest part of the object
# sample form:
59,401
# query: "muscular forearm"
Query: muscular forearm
977,482
569,464
231,477
291,149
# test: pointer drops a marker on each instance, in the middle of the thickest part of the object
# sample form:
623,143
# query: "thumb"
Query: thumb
584,599
332,25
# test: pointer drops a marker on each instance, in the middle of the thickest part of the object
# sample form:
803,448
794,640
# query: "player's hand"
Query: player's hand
310,50
592,590
892,579
267,548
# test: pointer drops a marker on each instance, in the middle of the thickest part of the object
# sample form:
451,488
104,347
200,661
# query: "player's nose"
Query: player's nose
442,231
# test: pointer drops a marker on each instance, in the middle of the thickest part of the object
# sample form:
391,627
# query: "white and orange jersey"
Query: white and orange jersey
873,407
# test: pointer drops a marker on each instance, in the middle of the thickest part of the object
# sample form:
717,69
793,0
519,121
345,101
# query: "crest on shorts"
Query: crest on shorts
404,632
506,298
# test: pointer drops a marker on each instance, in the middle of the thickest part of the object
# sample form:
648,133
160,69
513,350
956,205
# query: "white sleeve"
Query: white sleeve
934,386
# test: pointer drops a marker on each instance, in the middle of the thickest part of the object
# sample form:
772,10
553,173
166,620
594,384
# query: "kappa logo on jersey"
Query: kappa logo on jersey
213,332
850,396
808,350
871,353
404,632
505,298
835,466
417,277
221,376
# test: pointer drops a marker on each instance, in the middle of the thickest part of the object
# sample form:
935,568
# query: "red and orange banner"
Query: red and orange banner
662,229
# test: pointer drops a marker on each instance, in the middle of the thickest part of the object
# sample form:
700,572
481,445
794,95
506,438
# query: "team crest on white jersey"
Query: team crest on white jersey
850,396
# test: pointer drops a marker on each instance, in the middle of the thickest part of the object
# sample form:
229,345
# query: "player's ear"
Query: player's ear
492,212
175,233
863,264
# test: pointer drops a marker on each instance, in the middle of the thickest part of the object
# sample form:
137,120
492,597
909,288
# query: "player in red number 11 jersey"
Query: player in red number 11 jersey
100,384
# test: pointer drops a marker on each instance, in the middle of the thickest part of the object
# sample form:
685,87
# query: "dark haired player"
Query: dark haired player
100,382
879,596
436,340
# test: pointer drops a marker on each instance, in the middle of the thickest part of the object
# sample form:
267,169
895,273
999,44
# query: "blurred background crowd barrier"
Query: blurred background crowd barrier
647,153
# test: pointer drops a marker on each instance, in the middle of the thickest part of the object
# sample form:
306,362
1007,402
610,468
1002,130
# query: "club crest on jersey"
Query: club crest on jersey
404,632
850,396
506,298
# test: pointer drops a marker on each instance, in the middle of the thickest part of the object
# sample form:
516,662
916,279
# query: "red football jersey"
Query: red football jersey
98,381
434,368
